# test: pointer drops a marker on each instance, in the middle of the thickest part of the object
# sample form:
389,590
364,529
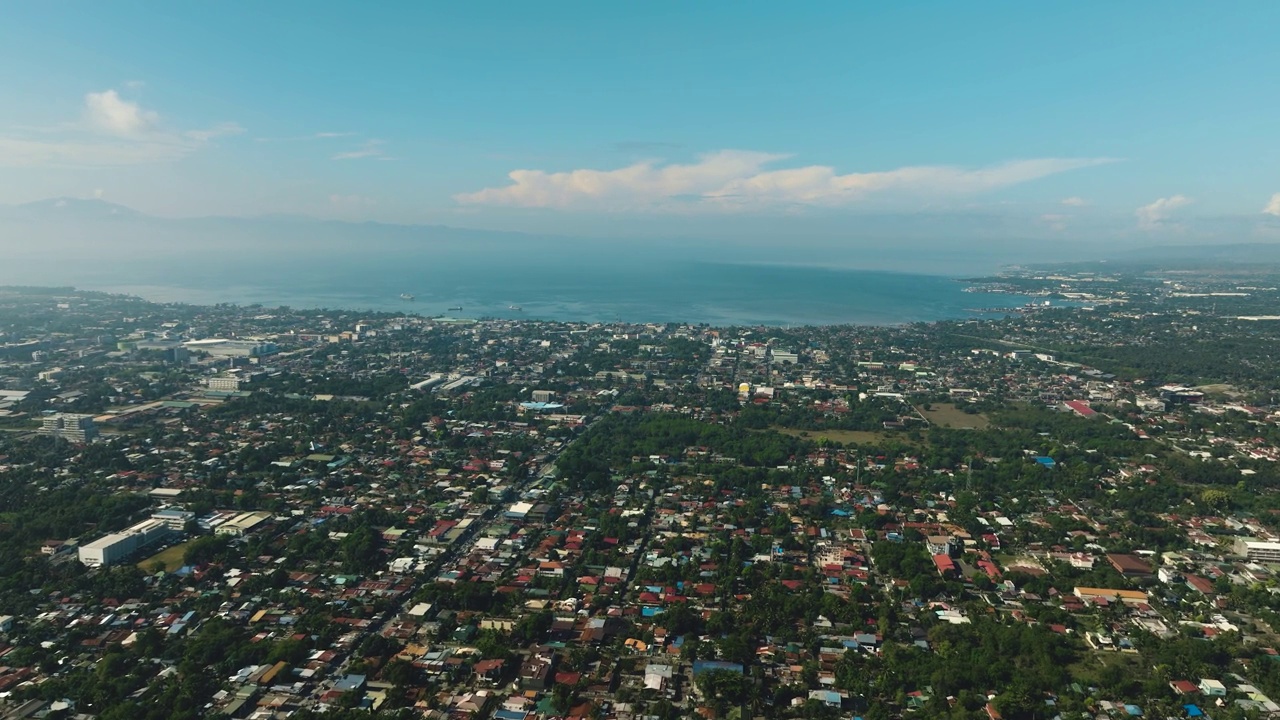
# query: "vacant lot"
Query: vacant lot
860,437
171,557
949,416
1220,389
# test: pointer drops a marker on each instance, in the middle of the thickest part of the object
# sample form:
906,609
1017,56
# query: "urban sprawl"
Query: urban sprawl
249,512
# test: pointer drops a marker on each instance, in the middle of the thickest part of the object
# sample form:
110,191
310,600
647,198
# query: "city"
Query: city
264,512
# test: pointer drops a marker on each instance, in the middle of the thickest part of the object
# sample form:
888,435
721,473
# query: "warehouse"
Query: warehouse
243,524
111,549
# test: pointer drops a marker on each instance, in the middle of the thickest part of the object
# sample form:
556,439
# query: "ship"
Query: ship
453,309
406,296
517,308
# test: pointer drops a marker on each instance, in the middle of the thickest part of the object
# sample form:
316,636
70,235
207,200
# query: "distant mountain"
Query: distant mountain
67,208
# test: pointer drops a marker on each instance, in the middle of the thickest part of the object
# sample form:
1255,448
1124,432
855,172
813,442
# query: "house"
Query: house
349,683
830,698
945,565
1212,688
658,677
1128,597
941,545
489,670
535,672
1200,584
1129,565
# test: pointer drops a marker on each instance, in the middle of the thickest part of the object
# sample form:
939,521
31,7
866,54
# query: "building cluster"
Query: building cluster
530,520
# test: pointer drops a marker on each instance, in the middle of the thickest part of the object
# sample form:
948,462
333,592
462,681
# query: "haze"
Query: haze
926,137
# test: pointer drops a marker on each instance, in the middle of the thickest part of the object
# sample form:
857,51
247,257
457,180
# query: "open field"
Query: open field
861,437
1222,389
171,557
1088,670
947,415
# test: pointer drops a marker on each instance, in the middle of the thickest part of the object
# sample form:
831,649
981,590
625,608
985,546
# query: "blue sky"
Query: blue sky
1071,120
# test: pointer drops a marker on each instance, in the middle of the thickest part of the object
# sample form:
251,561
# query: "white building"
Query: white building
1258,551
518,511
1212,688
111,549
223,384
50,375
243,524
173,518
218,347
69,426
780,357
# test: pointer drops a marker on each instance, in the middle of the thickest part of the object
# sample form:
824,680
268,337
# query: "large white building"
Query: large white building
174,518
111,549
219,347
243,524
224,384
783,357
1258,551
69,426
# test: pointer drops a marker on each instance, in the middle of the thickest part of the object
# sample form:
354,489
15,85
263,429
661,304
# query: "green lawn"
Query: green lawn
171,557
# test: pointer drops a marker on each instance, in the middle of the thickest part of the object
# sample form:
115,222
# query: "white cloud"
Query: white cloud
78,151
737,179
1156,215
351,201
1055,221
1074,202
307,138
369,149
108,112
643,183
219,130
113,131
1273,206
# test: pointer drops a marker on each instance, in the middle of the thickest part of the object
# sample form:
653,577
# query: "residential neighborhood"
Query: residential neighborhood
273,513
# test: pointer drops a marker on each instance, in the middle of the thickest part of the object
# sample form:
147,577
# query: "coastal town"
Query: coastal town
1067,511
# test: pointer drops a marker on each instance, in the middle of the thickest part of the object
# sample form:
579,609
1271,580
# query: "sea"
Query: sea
713,293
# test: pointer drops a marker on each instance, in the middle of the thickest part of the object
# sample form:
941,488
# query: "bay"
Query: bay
693,292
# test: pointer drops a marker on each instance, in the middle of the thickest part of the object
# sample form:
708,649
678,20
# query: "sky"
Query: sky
1063,122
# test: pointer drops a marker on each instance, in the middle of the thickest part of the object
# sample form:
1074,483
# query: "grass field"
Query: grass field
861,437
948,415
171,557
1088,670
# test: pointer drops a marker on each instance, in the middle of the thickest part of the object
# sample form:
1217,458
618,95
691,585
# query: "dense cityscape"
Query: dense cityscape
253,512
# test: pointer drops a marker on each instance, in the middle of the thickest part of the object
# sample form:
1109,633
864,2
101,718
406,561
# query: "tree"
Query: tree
1215,498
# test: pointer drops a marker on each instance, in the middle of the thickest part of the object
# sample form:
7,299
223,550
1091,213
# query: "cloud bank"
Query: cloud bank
741,180
112,131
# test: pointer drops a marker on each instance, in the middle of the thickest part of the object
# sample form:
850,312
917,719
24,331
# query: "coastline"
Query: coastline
721,294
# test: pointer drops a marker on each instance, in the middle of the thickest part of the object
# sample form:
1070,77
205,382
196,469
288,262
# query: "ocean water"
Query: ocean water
310,264
695,292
